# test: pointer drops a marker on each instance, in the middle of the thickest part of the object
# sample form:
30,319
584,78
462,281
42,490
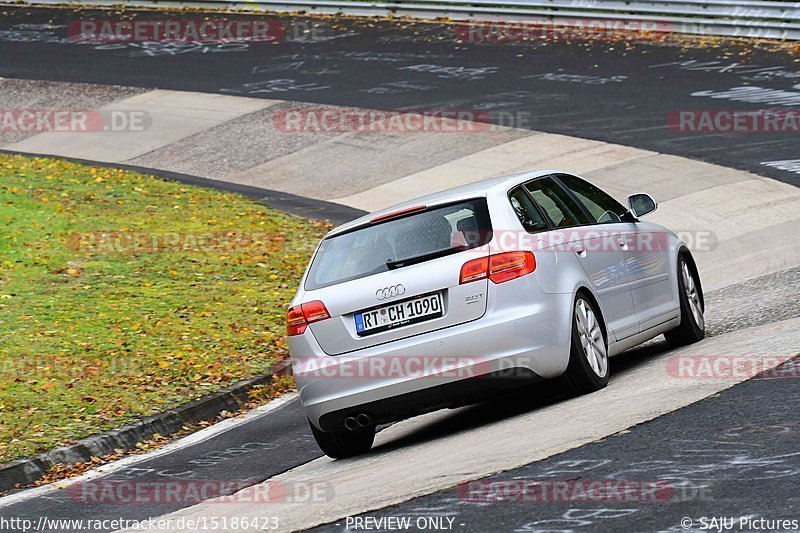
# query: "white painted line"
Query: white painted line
190,440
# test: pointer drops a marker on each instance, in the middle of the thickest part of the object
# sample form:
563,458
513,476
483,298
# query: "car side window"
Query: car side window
526,211
557,203
602,207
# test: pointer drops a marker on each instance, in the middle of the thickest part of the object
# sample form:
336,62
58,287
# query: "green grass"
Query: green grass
95,332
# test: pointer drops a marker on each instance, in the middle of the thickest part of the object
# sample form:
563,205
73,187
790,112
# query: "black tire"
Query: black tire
345,443
690,330
580,376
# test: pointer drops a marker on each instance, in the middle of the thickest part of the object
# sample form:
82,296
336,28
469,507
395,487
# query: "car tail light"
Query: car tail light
295,321
510,265
474,270
315,311
300,316
499,267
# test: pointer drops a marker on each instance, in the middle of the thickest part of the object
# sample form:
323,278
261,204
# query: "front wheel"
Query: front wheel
587,370
345,443
693,324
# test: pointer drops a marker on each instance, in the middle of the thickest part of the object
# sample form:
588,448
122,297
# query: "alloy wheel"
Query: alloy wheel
591,337
692,296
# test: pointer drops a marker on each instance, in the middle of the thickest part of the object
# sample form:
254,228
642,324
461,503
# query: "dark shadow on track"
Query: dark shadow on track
521,400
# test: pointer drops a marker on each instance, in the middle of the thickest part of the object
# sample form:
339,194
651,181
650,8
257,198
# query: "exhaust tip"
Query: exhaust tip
363,420
350,423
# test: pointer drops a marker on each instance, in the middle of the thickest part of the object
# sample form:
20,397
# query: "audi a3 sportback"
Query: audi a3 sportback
447,299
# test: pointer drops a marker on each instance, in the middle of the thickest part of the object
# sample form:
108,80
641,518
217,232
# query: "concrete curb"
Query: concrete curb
25,471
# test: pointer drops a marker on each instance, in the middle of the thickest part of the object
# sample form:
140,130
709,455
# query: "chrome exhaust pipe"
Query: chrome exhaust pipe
363,420
350,423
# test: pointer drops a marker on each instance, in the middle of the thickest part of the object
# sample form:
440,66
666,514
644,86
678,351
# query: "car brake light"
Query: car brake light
300,316
295,321
499,267
315,311
510,265
395,214
474,270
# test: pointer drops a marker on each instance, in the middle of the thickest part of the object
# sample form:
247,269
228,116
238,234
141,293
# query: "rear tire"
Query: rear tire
587,370
345,443
693,325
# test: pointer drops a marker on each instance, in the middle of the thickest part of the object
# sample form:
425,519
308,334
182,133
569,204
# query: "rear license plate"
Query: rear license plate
398,314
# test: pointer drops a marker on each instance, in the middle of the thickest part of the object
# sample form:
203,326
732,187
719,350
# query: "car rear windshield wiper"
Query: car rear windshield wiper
399,263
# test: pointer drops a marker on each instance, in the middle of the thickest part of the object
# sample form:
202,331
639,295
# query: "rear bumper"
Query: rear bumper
508,346
443,395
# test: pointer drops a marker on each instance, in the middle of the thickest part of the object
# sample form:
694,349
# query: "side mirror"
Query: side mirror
641,204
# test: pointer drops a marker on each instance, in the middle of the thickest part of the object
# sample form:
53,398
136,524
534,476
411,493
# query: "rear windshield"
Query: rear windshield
400,242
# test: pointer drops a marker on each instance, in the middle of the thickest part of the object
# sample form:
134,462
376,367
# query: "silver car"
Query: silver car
451,298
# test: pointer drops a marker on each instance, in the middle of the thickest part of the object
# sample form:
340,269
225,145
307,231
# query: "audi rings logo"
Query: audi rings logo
389,292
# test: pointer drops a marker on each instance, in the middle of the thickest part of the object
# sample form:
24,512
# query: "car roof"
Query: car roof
462,192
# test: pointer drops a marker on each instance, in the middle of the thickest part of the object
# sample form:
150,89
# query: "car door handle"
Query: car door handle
579,249
622,243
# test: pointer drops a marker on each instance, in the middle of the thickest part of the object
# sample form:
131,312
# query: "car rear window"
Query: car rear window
400,242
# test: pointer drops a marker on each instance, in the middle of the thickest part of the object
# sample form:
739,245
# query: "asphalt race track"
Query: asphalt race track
728,456
621,93
721,446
